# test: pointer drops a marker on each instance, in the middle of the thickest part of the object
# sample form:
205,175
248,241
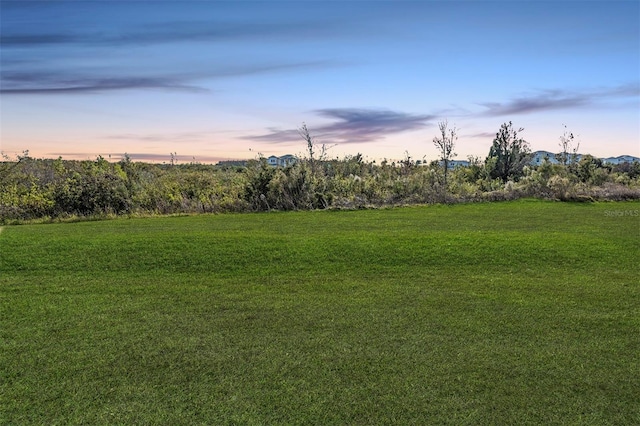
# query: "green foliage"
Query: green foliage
631,170
259,175
39,189
90,188
509,152
589,170
24,193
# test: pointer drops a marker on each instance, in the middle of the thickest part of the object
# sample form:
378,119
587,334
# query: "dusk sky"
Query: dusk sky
216,80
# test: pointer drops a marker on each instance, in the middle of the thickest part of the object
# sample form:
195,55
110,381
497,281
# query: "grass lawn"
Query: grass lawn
524,312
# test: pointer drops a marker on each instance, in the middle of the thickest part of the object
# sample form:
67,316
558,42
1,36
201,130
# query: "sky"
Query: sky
226,80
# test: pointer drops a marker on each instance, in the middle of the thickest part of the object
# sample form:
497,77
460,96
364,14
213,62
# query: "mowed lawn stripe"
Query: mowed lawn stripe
524,312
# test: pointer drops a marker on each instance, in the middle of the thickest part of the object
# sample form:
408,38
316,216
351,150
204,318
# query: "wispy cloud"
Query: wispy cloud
63,48
552,100
42,39
482,135
55,83
171,32
364,125
175,32
276,135
627,90
175,137
352,125
549,100
27,81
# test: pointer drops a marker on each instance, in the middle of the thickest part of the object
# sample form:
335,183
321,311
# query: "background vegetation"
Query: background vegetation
48,189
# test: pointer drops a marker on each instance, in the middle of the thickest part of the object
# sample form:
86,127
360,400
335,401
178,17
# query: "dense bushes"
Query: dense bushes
42,188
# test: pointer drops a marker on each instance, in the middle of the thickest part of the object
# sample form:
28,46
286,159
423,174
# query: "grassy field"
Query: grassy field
525,312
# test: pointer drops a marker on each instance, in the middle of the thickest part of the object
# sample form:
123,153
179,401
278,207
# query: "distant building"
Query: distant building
284,161
621,159
538,157
458,163
451,164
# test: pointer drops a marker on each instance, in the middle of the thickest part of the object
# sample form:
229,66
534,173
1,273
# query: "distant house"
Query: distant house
458,163
451,164
538,158
272,161
287,160
284,161
621,159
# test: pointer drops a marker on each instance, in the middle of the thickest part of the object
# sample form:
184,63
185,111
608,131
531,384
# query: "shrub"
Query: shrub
561,187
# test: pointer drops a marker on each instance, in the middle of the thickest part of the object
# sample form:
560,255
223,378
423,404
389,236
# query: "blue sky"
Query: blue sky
216,80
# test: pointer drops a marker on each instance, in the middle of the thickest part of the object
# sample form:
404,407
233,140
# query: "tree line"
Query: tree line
44,189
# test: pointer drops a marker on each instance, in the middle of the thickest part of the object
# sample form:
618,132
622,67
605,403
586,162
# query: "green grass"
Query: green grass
507,313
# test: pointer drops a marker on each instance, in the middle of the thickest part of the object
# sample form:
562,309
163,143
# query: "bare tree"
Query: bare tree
312,145
305,134
445,143
568,151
